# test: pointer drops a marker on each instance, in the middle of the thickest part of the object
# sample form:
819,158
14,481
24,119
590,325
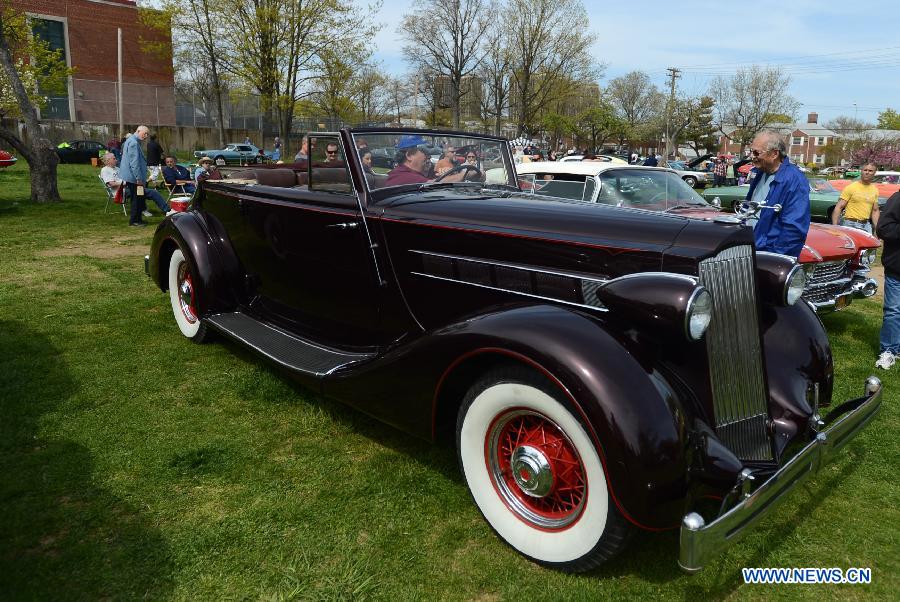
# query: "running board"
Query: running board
282,348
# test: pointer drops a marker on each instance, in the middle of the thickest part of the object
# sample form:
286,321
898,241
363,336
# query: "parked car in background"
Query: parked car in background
6,159
837,259
693,178
599,367
235,153
79,151
887,182
823,197
831,171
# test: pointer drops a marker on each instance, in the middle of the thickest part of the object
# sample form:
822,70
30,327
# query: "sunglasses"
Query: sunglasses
471,157
756,153
328,152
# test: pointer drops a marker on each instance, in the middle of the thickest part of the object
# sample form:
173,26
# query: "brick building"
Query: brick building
86,32
805,141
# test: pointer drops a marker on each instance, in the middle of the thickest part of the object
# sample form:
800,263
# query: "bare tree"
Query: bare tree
197,47
843,124
494,73
370,93
445,37
634,97
547,47
277,46
750,99
399,94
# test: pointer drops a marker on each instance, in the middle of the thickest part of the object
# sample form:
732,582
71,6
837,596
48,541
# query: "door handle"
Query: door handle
344,225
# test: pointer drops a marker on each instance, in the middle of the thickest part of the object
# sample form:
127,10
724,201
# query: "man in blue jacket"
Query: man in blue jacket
778,182
133,172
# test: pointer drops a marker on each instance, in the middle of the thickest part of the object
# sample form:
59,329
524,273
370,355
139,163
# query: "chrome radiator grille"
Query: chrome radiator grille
735,358
827,271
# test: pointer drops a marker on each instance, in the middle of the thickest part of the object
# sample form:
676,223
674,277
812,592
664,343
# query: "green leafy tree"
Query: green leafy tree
700,131
29,71
557,126
597,124
889,119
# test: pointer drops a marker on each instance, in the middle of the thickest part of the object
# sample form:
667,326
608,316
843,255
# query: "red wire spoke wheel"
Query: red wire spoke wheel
536,469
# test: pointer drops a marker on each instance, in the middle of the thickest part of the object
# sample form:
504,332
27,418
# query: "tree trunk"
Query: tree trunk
43,176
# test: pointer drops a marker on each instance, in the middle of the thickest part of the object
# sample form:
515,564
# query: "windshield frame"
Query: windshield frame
430,137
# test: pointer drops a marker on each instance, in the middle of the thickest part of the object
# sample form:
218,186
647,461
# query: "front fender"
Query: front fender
188,232
634,417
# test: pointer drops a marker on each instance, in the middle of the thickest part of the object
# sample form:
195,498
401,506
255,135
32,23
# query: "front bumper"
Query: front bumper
700,542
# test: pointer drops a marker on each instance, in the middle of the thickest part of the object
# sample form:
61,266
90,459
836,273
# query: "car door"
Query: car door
307,256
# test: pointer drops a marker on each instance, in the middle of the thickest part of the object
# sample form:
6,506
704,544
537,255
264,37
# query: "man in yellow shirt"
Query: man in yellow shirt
859,202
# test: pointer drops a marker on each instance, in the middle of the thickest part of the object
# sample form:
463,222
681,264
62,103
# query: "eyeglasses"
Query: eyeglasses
328,152
471,157
757,153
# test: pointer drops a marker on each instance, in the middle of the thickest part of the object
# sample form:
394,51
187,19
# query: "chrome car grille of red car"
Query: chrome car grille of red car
827,271
738,390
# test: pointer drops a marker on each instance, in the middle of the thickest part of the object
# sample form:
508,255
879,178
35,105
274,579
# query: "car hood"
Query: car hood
569,235
833,243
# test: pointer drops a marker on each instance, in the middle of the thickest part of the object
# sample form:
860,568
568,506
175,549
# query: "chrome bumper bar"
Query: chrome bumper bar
864,287
700,542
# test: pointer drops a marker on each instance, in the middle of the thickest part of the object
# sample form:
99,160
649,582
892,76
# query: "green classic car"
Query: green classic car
822,197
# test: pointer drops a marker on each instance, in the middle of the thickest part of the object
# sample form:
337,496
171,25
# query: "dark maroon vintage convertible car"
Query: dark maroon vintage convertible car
600,369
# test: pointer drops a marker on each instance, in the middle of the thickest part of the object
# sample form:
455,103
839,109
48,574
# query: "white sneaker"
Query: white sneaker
170,212
885,360
147,213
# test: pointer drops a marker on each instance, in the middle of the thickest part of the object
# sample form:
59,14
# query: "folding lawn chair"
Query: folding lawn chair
111,197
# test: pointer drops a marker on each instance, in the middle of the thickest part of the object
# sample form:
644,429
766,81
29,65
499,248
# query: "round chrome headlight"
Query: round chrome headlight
867,257
794,285
699,313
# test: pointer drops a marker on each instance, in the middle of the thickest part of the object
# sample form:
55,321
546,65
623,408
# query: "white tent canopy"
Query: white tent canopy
521,141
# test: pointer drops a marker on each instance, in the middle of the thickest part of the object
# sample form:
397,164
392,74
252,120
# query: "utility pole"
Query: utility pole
674,74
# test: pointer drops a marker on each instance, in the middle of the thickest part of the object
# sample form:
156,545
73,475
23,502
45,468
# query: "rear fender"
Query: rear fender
188,232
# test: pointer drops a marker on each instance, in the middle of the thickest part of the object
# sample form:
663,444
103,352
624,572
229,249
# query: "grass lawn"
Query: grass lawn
135,464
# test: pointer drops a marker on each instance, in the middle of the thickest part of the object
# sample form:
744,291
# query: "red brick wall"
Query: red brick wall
92,35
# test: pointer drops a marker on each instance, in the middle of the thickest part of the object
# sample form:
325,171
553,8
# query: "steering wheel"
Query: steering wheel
459,168
654,200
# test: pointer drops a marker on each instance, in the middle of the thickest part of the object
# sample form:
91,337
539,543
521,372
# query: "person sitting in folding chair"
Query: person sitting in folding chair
110,176
178,179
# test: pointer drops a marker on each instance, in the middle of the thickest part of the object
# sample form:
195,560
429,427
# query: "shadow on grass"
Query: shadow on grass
440,458
854,324
62,534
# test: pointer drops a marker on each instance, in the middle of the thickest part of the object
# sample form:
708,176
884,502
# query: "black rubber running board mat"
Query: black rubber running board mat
281,347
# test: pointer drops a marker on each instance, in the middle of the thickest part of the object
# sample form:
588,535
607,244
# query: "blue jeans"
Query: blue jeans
149,193
864,226
890,326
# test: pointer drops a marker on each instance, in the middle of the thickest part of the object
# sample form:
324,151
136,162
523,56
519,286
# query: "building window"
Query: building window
821,141
819,159
54,34
797,141
797,158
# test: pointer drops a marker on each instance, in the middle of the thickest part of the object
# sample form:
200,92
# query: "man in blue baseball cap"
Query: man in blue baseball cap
412,161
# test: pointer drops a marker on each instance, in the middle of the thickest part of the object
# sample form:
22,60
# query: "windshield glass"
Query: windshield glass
821,185
394,158
651,189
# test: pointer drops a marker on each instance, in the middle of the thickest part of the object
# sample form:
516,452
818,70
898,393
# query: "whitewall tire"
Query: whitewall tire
183,297
535,473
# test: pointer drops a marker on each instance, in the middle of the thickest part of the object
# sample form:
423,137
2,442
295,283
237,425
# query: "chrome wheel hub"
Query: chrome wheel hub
532,471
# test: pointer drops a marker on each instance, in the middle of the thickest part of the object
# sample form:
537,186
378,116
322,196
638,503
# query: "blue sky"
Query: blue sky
837,53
